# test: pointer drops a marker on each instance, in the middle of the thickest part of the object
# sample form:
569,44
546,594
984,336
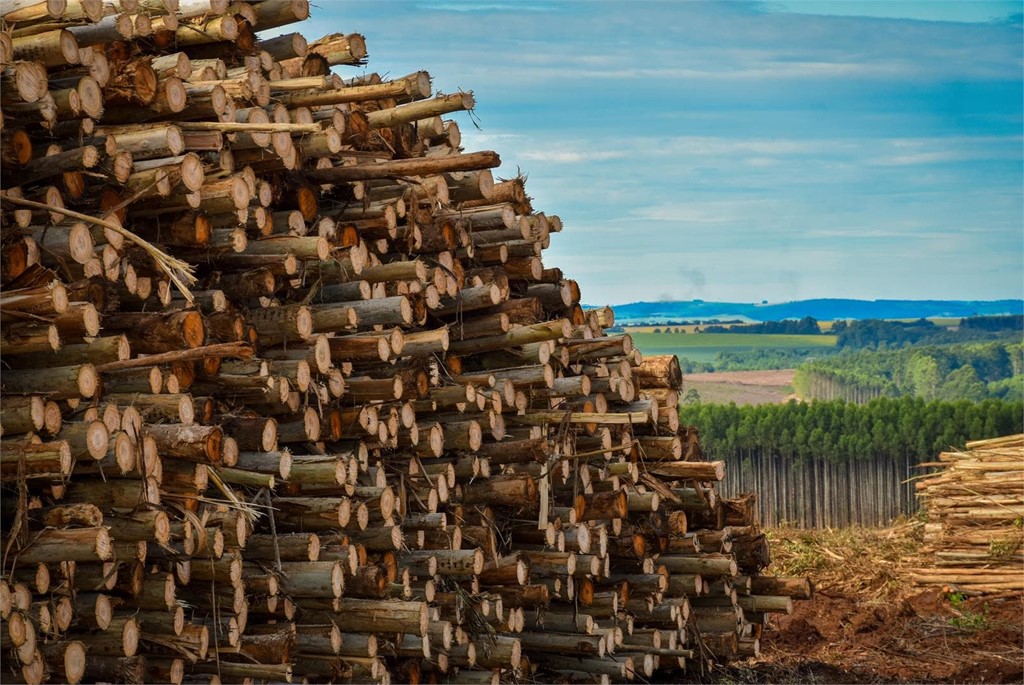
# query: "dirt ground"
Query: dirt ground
868,624
778,377
918,639
742,387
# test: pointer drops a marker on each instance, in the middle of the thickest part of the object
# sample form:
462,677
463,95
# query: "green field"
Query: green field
703,347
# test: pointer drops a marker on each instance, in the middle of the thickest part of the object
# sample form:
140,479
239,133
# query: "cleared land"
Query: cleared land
742,387
824,325
688,328
868,622
704,347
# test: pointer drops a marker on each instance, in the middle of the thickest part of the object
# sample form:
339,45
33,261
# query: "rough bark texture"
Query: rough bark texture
290,394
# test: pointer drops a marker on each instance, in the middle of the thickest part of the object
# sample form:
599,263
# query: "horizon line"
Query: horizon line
812,299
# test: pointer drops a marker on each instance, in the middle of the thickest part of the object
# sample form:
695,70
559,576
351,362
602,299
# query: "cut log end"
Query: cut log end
192,330
88,381
96,439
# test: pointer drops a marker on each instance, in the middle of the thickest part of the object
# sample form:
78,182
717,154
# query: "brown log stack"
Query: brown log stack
288,393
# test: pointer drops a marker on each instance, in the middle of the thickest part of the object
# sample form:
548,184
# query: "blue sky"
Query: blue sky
736,150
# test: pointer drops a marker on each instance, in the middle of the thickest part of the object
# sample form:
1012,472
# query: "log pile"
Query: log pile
289,393
974,534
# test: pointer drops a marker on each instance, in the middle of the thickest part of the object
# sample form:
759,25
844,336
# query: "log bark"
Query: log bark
71,544
377,437
403,167
59,382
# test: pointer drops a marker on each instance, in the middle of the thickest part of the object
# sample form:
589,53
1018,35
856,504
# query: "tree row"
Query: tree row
948,372
882,429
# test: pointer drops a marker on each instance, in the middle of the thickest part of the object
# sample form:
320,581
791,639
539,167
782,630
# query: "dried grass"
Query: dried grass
869,622
868,562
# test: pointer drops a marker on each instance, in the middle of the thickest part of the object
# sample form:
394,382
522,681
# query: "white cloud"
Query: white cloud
488,7
868,155
922,151
707,211
762,162
571,156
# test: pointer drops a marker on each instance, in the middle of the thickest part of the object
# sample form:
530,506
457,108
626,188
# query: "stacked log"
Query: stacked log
289,393
974,508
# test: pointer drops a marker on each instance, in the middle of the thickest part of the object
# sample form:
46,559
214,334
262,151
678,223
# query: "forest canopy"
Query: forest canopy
877,333
973,371
884,428
805,326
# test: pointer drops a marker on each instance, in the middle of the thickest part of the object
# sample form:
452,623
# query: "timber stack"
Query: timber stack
974,506
289,394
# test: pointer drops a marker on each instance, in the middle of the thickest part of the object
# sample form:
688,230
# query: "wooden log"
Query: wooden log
312,579
797,588
685,584
690,470
178,408
274,13
109,29
33,10
706,565
196,443
61,162
314,513
115,668
65,660
505,652
442,104
59,382
340,49
72,242
660,372
70,544
565,623
51,461
766,604
61,516
562,643
410,167
413,86
277,325
446,562
155,333
385,616
23,82
96,351
24,414
604,505
514,491
371,582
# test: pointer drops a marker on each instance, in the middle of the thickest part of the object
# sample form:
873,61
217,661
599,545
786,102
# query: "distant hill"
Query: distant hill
821,309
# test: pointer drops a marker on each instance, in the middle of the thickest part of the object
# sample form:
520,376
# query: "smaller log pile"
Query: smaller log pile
975,529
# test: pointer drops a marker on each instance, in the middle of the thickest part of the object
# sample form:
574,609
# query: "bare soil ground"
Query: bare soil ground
869,624
742,387
920,638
